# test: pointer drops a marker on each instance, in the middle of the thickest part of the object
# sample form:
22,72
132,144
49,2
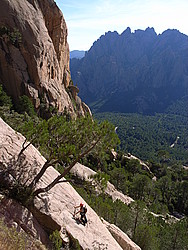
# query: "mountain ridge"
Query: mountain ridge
77,54
133,72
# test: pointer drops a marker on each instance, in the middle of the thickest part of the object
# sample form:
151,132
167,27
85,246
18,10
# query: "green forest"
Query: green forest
152,138
158,217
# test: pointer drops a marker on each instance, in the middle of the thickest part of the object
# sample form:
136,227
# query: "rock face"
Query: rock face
55,209
125,242
34,53
85,173
139,72
22,219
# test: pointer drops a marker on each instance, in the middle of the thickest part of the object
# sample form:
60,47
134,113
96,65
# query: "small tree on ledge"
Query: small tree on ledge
66,143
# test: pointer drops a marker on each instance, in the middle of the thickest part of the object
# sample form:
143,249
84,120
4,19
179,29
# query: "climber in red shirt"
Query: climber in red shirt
82,211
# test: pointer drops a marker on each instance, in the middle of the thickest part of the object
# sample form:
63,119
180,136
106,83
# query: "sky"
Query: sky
87,20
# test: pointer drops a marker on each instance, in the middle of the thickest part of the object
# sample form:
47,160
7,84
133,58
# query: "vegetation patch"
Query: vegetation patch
163,189
11,239
145,136
14,36
56,240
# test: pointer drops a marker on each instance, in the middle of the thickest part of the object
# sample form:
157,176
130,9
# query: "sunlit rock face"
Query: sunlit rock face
34,53
55,209
124,241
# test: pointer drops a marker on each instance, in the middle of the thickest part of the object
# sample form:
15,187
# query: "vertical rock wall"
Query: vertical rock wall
34,53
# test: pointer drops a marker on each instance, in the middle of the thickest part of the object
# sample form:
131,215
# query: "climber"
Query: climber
82,211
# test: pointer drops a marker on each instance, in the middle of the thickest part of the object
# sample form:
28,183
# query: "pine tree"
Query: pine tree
65,143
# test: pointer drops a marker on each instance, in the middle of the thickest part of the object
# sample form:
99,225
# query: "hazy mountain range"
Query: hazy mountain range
77,54
133,72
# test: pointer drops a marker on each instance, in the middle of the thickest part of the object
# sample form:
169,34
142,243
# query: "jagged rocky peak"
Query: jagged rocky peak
126,32
109,36
151,30
34,53
139,71
138,36
148,30
110,40
175,38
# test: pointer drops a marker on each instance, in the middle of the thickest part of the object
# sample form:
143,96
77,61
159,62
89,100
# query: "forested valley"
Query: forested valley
158,217
162,137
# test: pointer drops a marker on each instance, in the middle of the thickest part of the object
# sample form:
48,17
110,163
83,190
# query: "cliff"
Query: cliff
34,54
133,72
54,210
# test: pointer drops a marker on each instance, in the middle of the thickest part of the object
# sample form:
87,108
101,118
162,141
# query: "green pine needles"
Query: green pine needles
65,142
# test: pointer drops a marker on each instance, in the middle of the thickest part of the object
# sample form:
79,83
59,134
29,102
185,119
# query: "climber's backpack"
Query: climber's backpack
85,210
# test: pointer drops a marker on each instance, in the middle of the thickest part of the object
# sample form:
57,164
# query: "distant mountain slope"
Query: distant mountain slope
77,54
133,72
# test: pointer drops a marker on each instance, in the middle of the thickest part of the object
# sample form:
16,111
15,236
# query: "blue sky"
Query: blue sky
87,20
